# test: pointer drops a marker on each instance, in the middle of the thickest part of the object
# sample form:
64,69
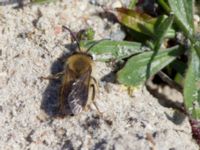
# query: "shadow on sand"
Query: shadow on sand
50,97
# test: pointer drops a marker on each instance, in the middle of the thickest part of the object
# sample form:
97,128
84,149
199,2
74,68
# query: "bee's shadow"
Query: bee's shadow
50,97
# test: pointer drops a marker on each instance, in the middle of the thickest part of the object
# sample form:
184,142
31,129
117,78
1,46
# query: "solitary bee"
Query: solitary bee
78,87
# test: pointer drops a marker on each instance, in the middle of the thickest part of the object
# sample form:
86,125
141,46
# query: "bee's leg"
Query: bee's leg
94,86
53,77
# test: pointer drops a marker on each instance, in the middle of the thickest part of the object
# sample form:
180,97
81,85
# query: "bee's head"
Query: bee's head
79,62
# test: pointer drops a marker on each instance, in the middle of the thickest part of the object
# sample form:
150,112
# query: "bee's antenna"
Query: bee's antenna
73,36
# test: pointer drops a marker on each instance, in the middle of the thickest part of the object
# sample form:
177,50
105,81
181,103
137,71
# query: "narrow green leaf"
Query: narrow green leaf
171,33
197,44
86,34
41,1
132,4
183,10
179,79
106,50
141,22
192,86
159,21
161,30
137,21
164,5
136,69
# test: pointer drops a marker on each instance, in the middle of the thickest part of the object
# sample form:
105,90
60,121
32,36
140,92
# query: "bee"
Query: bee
78,87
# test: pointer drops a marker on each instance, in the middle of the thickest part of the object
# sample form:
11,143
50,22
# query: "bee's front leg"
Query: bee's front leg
53,77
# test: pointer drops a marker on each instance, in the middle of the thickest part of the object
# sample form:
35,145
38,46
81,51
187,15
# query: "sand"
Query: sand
30,47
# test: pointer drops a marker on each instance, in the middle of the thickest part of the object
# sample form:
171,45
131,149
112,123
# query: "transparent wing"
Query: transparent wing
74,91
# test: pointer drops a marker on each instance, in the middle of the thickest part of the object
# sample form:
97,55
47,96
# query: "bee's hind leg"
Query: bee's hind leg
94,86
95,91
53,77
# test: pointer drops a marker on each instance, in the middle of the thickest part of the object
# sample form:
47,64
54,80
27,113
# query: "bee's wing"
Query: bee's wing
74,91
78,96
67,81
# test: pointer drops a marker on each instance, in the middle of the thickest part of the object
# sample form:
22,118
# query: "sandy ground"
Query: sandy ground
31,45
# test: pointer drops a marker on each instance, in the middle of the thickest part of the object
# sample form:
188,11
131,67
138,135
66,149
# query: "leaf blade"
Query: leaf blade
135,76
106,50
192,86
161,31
183,10
137,21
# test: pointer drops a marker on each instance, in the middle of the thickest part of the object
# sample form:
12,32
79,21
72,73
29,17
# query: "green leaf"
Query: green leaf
197,44
161,31
142,23
106,50
179,79
136,69
137,21
192,86
164,5
132,4
183,10
86,34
